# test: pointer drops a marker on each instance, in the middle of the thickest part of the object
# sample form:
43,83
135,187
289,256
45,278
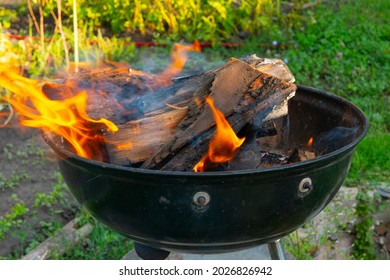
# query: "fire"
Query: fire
124,146
65,114
225,143
179,56
67,118
310,142
8,56
178,60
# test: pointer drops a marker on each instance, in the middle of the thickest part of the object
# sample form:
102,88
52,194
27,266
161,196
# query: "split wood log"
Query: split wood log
302,154
140,139
277,68
136,141
226,84
242,93
155,124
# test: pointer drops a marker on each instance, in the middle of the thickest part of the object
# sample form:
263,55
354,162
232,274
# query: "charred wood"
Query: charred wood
170,128
250,94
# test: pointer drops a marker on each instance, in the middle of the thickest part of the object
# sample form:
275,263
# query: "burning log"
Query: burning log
248,98
302,154
111,91
170,128
163,111
324,143
129,144
147,115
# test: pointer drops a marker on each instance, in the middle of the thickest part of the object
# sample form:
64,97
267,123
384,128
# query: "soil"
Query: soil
27,168
337,223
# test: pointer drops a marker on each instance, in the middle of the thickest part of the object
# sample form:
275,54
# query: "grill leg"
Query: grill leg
276,250
146,252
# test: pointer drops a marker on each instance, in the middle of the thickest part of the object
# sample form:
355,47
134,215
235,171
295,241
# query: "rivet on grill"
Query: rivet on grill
305,186
201,198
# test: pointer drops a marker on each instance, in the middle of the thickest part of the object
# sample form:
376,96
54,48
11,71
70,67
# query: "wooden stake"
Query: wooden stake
76,37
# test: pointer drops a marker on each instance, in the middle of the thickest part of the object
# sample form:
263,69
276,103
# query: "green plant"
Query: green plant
13,218
314,238
56,205
210,20
59,196
94,48
300,248
319,237
31,246
49,228
164,20
6,17
347,55
364,244
7,149
101,244
11,181
333,49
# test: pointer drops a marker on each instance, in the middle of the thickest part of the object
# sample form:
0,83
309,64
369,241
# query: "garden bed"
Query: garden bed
33,200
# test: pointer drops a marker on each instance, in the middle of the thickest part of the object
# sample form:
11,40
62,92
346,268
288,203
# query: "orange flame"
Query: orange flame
178,60
310,142
8,56
124,146
225,143
67,118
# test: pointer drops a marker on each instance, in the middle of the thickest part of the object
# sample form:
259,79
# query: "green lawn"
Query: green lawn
346,51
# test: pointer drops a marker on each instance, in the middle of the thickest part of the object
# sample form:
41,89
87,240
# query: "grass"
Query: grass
101,244
23,223
337,50
348,54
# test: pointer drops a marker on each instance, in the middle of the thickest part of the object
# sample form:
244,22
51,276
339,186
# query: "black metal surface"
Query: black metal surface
220,211
146,252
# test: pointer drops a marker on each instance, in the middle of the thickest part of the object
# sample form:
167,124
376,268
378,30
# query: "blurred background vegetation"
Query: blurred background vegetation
339,46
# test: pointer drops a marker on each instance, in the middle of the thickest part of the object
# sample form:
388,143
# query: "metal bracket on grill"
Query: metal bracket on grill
201,201
305,187
201,198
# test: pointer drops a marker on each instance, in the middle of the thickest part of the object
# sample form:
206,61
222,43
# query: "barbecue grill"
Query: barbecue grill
217,212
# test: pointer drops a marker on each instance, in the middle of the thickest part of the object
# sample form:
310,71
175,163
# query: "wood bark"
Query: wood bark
170,128
242,93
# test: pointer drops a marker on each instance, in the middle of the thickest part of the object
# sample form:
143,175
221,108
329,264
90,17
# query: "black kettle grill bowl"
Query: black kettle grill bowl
238,209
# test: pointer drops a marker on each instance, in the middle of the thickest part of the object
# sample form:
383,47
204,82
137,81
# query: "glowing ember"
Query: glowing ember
310,142
223,147
66,118
124,146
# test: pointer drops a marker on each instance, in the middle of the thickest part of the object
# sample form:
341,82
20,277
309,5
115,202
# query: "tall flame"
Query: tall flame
223,147
67,118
